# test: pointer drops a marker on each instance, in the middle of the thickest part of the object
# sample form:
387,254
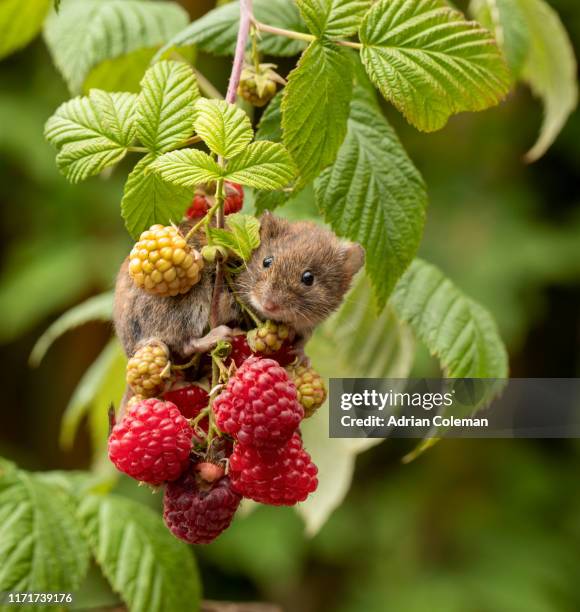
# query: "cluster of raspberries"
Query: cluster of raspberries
261,454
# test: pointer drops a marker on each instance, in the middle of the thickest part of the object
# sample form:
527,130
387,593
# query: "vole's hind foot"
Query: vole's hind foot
209,341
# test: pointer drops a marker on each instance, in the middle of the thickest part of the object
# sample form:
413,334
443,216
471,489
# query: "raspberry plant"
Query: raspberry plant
324,132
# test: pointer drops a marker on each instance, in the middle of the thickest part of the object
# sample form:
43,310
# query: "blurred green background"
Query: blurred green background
469,526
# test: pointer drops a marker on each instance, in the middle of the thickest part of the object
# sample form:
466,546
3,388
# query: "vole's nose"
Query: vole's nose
270,305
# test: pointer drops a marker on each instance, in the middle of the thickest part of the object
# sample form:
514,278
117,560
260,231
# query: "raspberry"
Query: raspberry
152,442
241,351
191,399
268,338
197,511
199,207
162,262
258,85
310,388
234,198
149,370
282,477
259,406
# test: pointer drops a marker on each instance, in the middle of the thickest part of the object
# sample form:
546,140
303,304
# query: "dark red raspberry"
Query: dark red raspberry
152,442
190,399
234,198
282,477
259,405
241,351
197,511
199,206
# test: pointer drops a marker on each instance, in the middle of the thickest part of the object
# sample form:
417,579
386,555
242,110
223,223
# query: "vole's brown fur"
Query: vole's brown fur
276,292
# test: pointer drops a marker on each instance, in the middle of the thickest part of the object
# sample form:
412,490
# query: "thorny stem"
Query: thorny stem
264,27
246,18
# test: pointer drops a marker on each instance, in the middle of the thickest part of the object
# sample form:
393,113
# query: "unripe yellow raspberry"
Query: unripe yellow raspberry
162,262
258,85
310,388
149,370
268,338
135,399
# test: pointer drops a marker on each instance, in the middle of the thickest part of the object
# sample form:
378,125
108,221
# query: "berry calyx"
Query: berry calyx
191,399
268,337
282,477
152,442
259,406
162,263
149,370
310,388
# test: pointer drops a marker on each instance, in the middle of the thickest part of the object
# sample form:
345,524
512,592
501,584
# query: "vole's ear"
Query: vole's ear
354,258
270,225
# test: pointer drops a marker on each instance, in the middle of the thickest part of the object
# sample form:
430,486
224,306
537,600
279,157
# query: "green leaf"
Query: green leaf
106,372
457,330
242,235
92,133
41,544
264,165
216,32
84,34
506,20
333,18
315,107
354,342
148,200
97,308
151,569
186,168
20,22
165,107
373,194
122,73
430,62
270,126
225,128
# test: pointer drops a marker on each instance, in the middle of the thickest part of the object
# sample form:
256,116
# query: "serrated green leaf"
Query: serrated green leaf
110,361
263,165
165,107
373,194
314,117
92,133
148,200
139,555
225,128
333,18
216,31
186,168
430,62
457,330
242,235
85,33
270,126
41,544
507,21
97,308
20,22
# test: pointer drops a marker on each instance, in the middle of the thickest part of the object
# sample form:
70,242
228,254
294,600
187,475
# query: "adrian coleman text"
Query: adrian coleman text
405,421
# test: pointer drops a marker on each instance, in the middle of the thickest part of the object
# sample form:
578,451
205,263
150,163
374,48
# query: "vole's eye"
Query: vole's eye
307,278
267,261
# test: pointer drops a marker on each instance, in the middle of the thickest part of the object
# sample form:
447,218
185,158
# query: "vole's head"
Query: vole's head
299,274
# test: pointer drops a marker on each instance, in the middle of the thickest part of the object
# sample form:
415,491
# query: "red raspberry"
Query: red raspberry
190,399
259,405
198,511
282,477
241,351
234,198
199,206
152,442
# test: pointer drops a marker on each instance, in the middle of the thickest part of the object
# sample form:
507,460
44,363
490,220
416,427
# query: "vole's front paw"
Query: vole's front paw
209,341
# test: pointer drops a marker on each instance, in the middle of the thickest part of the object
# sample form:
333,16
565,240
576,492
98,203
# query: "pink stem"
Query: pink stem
246,16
